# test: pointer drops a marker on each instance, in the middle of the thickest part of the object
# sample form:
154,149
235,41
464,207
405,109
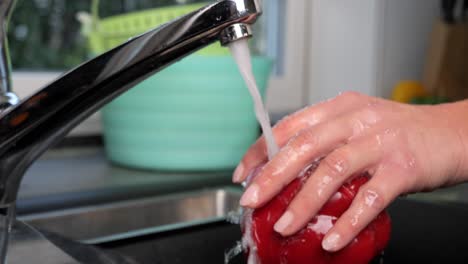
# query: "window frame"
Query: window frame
287,91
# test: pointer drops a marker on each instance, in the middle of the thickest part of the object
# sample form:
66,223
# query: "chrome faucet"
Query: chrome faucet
30,127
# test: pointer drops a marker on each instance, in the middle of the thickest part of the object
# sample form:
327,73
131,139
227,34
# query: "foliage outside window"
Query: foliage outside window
45,34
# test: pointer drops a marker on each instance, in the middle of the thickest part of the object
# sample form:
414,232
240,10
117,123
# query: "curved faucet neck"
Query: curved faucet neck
31,127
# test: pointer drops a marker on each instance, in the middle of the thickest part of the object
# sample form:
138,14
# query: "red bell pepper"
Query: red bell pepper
305,247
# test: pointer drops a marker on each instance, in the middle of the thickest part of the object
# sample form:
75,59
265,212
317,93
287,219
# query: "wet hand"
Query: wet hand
404,148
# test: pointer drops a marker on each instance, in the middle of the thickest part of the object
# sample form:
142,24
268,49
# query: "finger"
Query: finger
288,127
330,175
371,200
290,160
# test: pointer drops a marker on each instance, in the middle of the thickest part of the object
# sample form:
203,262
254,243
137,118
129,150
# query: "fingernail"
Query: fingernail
238,173
284,222
330,243
250,196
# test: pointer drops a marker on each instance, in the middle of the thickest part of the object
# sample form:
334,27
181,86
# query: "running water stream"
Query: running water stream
241,53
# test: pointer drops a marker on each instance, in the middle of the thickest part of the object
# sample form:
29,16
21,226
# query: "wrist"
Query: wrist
454,117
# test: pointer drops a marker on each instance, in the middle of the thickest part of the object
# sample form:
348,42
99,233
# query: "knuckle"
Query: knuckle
309,137
266,182
252,156
374,102
349,222
284,123
291,125
369,116
350,95
373,198
336,164
305,137
404,181
394,135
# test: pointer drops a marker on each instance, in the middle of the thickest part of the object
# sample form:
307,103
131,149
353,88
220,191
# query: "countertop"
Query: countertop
67,178
71,177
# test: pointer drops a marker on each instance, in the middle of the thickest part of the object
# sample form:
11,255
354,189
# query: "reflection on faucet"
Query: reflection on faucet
32,126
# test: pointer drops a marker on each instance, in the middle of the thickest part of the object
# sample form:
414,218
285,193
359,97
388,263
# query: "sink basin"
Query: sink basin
191,228
181,223
119,220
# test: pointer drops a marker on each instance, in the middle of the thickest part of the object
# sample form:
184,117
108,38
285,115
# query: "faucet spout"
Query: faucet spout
32,126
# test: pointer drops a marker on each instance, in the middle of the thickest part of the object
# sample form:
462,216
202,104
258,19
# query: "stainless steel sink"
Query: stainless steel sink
120,220
190,228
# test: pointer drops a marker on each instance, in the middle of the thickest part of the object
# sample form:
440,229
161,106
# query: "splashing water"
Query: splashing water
233,252
241,53
234,217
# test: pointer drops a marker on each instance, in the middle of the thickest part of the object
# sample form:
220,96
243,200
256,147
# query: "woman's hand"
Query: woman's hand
404,148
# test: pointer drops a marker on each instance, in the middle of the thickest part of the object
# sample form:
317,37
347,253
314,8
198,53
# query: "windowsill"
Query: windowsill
27,82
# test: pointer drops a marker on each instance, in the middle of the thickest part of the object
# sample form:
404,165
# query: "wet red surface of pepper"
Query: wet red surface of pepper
305,246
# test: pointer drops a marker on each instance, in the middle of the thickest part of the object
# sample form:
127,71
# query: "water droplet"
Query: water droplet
322,224
357,216
233,252
370,198
411,163
234,217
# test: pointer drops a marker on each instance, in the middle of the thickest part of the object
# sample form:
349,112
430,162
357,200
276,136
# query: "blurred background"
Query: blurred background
320,47
396,49
185,129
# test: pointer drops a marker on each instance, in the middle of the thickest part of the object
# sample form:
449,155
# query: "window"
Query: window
46,39
46,34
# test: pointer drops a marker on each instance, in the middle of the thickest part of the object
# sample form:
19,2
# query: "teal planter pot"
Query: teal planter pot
195,115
